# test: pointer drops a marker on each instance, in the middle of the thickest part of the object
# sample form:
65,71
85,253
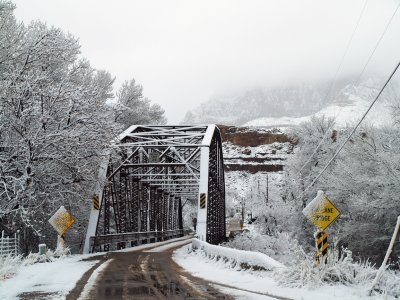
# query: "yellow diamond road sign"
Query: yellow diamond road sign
321,211
62,220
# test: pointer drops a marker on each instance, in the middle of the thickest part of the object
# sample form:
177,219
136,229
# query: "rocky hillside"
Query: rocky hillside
254,150
252,157
287,106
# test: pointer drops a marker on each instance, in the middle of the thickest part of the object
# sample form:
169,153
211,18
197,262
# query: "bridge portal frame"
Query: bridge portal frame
146,175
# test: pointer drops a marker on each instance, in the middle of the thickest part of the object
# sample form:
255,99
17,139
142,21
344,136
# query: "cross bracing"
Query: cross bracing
150,172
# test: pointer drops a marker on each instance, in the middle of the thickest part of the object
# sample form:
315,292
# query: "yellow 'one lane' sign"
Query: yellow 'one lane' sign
321,211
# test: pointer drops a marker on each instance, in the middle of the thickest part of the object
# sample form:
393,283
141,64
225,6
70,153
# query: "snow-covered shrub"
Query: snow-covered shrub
50,256
336,270
9,265
389,283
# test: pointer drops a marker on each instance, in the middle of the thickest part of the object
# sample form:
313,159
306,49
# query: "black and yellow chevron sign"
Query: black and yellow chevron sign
202,200
96,202
322,246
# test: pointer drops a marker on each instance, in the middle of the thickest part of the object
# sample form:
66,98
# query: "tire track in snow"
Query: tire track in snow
249,291
85,294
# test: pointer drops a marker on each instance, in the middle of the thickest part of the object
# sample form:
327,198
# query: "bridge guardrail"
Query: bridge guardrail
120,240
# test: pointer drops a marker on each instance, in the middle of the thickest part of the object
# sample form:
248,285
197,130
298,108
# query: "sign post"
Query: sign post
321,243
322,212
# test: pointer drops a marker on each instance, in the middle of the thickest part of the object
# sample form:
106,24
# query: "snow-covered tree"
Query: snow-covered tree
133,108
54,125
55,122
362,181
264,202
365,184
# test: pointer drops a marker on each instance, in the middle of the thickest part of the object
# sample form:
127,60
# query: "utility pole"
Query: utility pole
243,209
267,189
241,222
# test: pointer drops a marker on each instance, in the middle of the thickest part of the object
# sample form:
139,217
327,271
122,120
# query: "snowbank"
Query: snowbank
54,278
279,246
243,284
238,258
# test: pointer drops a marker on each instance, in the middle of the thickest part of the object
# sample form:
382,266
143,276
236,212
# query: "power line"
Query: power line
357,80
347,49
378,42
354,129
335,78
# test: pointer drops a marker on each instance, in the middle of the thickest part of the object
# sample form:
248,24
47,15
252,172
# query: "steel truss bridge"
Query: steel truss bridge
146,177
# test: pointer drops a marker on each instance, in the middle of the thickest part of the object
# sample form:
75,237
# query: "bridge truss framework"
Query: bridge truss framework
148,175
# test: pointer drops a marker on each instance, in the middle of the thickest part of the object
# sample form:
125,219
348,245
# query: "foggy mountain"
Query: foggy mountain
291,105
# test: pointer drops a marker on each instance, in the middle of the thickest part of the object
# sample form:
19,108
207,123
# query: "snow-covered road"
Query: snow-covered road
147,274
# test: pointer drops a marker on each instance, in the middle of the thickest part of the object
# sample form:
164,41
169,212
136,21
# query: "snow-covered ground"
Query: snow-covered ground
56,278
244,284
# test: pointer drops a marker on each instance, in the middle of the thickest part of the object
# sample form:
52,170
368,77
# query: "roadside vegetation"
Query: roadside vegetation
57,114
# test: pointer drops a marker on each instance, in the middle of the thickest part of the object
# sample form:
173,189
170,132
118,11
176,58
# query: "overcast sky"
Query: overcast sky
184,52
